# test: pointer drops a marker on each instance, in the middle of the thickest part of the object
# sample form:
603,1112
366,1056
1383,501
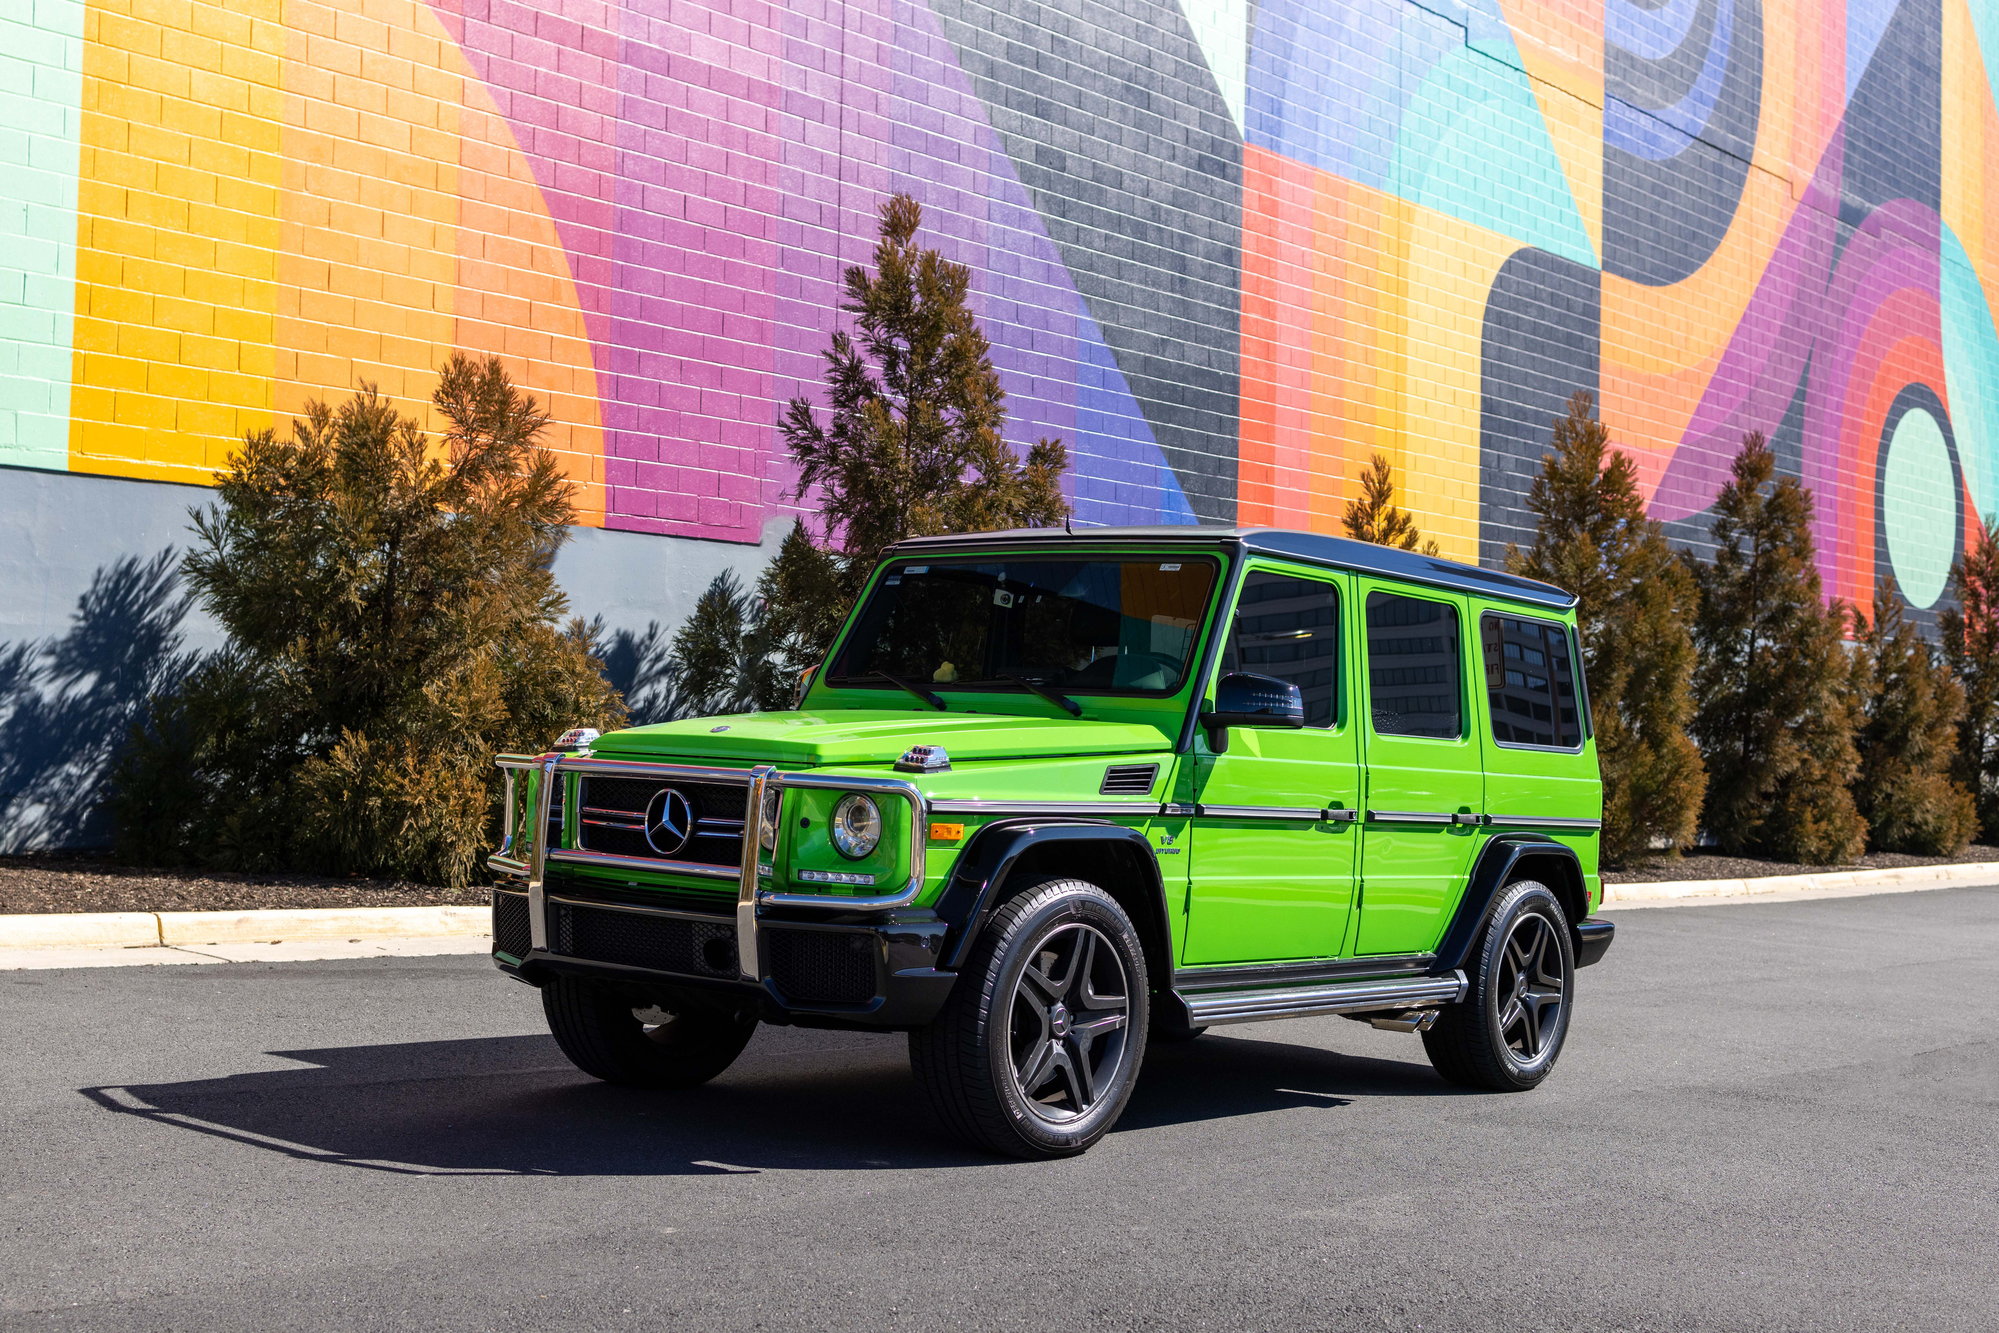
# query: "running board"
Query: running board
1340,997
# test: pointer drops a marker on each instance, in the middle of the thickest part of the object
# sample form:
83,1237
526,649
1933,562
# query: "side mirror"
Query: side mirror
1245,699
804,686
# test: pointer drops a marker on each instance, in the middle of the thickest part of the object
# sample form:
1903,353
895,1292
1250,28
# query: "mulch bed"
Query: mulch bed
1704,866
71,882
74,882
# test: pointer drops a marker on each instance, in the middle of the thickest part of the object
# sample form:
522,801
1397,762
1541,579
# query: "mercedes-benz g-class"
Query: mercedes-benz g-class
1054,794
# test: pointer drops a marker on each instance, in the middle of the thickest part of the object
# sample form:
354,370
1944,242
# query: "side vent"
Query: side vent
1128,780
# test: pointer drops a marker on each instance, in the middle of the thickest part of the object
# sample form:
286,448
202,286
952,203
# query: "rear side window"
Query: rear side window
1415,671
1290,628
1530,676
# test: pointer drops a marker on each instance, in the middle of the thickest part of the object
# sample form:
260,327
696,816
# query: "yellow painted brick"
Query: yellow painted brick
164,77
125,373
238,388
120,304
209,353
177,381
184,315
184,46
218,90
220,21
143,409
88,401
203,417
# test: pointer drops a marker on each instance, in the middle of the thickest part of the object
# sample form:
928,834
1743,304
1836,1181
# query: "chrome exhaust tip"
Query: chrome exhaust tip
1412,1020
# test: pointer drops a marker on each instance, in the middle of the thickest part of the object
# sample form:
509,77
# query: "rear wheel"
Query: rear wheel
1036,1052
1509,1029
605,1036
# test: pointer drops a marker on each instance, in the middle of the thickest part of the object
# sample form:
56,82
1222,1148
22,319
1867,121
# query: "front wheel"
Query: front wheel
1038,1047
646,1047
1506,1033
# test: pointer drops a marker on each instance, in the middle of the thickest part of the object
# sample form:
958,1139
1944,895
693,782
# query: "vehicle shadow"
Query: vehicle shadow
513,1106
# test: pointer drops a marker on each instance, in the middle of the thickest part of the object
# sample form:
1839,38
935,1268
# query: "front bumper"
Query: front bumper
801,958
857,970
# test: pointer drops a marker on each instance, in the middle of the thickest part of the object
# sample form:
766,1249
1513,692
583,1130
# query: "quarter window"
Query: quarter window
1531,679
1415,670
1290,628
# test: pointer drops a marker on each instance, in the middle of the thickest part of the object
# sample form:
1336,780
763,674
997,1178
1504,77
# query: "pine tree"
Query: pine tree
909,445
1634,599
1971,647
1777,712
392,623
1375,517
1908,737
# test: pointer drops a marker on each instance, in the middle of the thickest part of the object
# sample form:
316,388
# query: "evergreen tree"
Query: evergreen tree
908,445
1908,737
1971,647
392,623
1777,711
1375,517
1634,598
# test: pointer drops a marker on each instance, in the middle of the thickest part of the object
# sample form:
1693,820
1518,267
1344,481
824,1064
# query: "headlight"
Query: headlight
857,825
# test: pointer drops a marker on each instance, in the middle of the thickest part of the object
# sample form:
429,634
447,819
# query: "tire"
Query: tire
1011,1064
606,1038
1508,1031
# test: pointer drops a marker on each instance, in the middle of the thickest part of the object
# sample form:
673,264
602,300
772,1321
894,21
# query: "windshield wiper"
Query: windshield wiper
1056,697
928,696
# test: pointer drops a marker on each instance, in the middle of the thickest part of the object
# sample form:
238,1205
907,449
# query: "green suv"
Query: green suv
1053,795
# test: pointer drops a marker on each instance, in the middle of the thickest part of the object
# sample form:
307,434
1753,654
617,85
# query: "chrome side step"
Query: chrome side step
1339,997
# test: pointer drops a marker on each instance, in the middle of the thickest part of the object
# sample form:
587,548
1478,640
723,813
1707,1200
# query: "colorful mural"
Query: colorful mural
1226,250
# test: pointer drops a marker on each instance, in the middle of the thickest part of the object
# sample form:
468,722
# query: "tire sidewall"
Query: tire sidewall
1018,930
1520,899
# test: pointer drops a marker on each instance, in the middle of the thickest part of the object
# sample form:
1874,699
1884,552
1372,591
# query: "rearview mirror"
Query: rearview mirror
1246,699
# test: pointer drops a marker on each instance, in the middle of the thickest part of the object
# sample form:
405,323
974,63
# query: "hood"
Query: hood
874,737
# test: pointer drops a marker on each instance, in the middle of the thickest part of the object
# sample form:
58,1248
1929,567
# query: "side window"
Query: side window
1290,628
1415,672
1530,676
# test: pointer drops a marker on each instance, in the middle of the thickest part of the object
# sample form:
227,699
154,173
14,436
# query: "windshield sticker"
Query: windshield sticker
892,580
917,569
1169,569
1001,597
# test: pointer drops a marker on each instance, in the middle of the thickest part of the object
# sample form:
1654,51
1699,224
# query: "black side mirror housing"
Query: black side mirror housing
1246,699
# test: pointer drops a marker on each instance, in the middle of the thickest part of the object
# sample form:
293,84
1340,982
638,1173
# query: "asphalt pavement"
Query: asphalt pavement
1770,1116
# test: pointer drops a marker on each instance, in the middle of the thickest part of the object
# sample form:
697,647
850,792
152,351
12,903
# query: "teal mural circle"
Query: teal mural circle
1916,483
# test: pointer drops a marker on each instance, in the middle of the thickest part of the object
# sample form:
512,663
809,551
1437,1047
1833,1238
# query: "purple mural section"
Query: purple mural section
712,166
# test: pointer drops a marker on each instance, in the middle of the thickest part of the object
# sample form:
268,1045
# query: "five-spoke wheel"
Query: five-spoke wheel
1069,1011
1036,1051
1509,1029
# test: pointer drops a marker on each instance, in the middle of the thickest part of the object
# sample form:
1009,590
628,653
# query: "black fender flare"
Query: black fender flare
1503,859
979,877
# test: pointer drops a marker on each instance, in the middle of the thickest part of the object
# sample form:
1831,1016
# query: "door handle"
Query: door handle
1334,814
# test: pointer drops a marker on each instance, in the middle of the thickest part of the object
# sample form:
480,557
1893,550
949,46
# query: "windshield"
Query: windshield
1112,625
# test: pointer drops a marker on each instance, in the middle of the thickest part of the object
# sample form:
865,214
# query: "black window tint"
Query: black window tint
1415,673
1290,628
1530,676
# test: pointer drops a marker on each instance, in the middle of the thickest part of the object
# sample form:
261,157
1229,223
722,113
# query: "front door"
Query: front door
1273,876
1425,771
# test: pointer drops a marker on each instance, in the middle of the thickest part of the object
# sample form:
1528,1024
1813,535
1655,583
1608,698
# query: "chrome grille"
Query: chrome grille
662,820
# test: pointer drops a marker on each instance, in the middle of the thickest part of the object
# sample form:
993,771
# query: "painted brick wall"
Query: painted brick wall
1225,250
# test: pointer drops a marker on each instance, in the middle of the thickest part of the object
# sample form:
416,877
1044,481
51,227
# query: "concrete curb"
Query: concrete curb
1829,882
138,930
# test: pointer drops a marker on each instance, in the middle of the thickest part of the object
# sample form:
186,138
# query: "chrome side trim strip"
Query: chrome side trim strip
976,806
1546,821
612,861
1313,812
1409,817
1344,997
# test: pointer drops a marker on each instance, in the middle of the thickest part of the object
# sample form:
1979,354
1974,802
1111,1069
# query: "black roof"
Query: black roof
1310,547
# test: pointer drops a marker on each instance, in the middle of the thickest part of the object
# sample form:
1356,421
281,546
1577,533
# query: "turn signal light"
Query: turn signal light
947,832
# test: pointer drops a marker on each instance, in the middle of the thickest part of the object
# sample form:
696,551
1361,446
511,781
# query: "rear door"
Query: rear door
1273,876
1425,775
1540,766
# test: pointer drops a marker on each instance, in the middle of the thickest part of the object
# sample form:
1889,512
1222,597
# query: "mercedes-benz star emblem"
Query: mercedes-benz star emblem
669,821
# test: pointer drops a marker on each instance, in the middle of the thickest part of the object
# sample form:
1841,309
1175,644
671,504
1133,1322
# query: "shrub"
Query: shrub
1971,647
1634,599
392,622
1908,737
1373,516
1777,714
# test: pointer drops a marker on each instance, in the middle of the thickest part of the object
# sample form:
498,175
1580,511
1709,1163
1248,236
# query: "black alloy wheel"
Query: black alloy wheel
1037,1050
1507,1032
1070,1013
